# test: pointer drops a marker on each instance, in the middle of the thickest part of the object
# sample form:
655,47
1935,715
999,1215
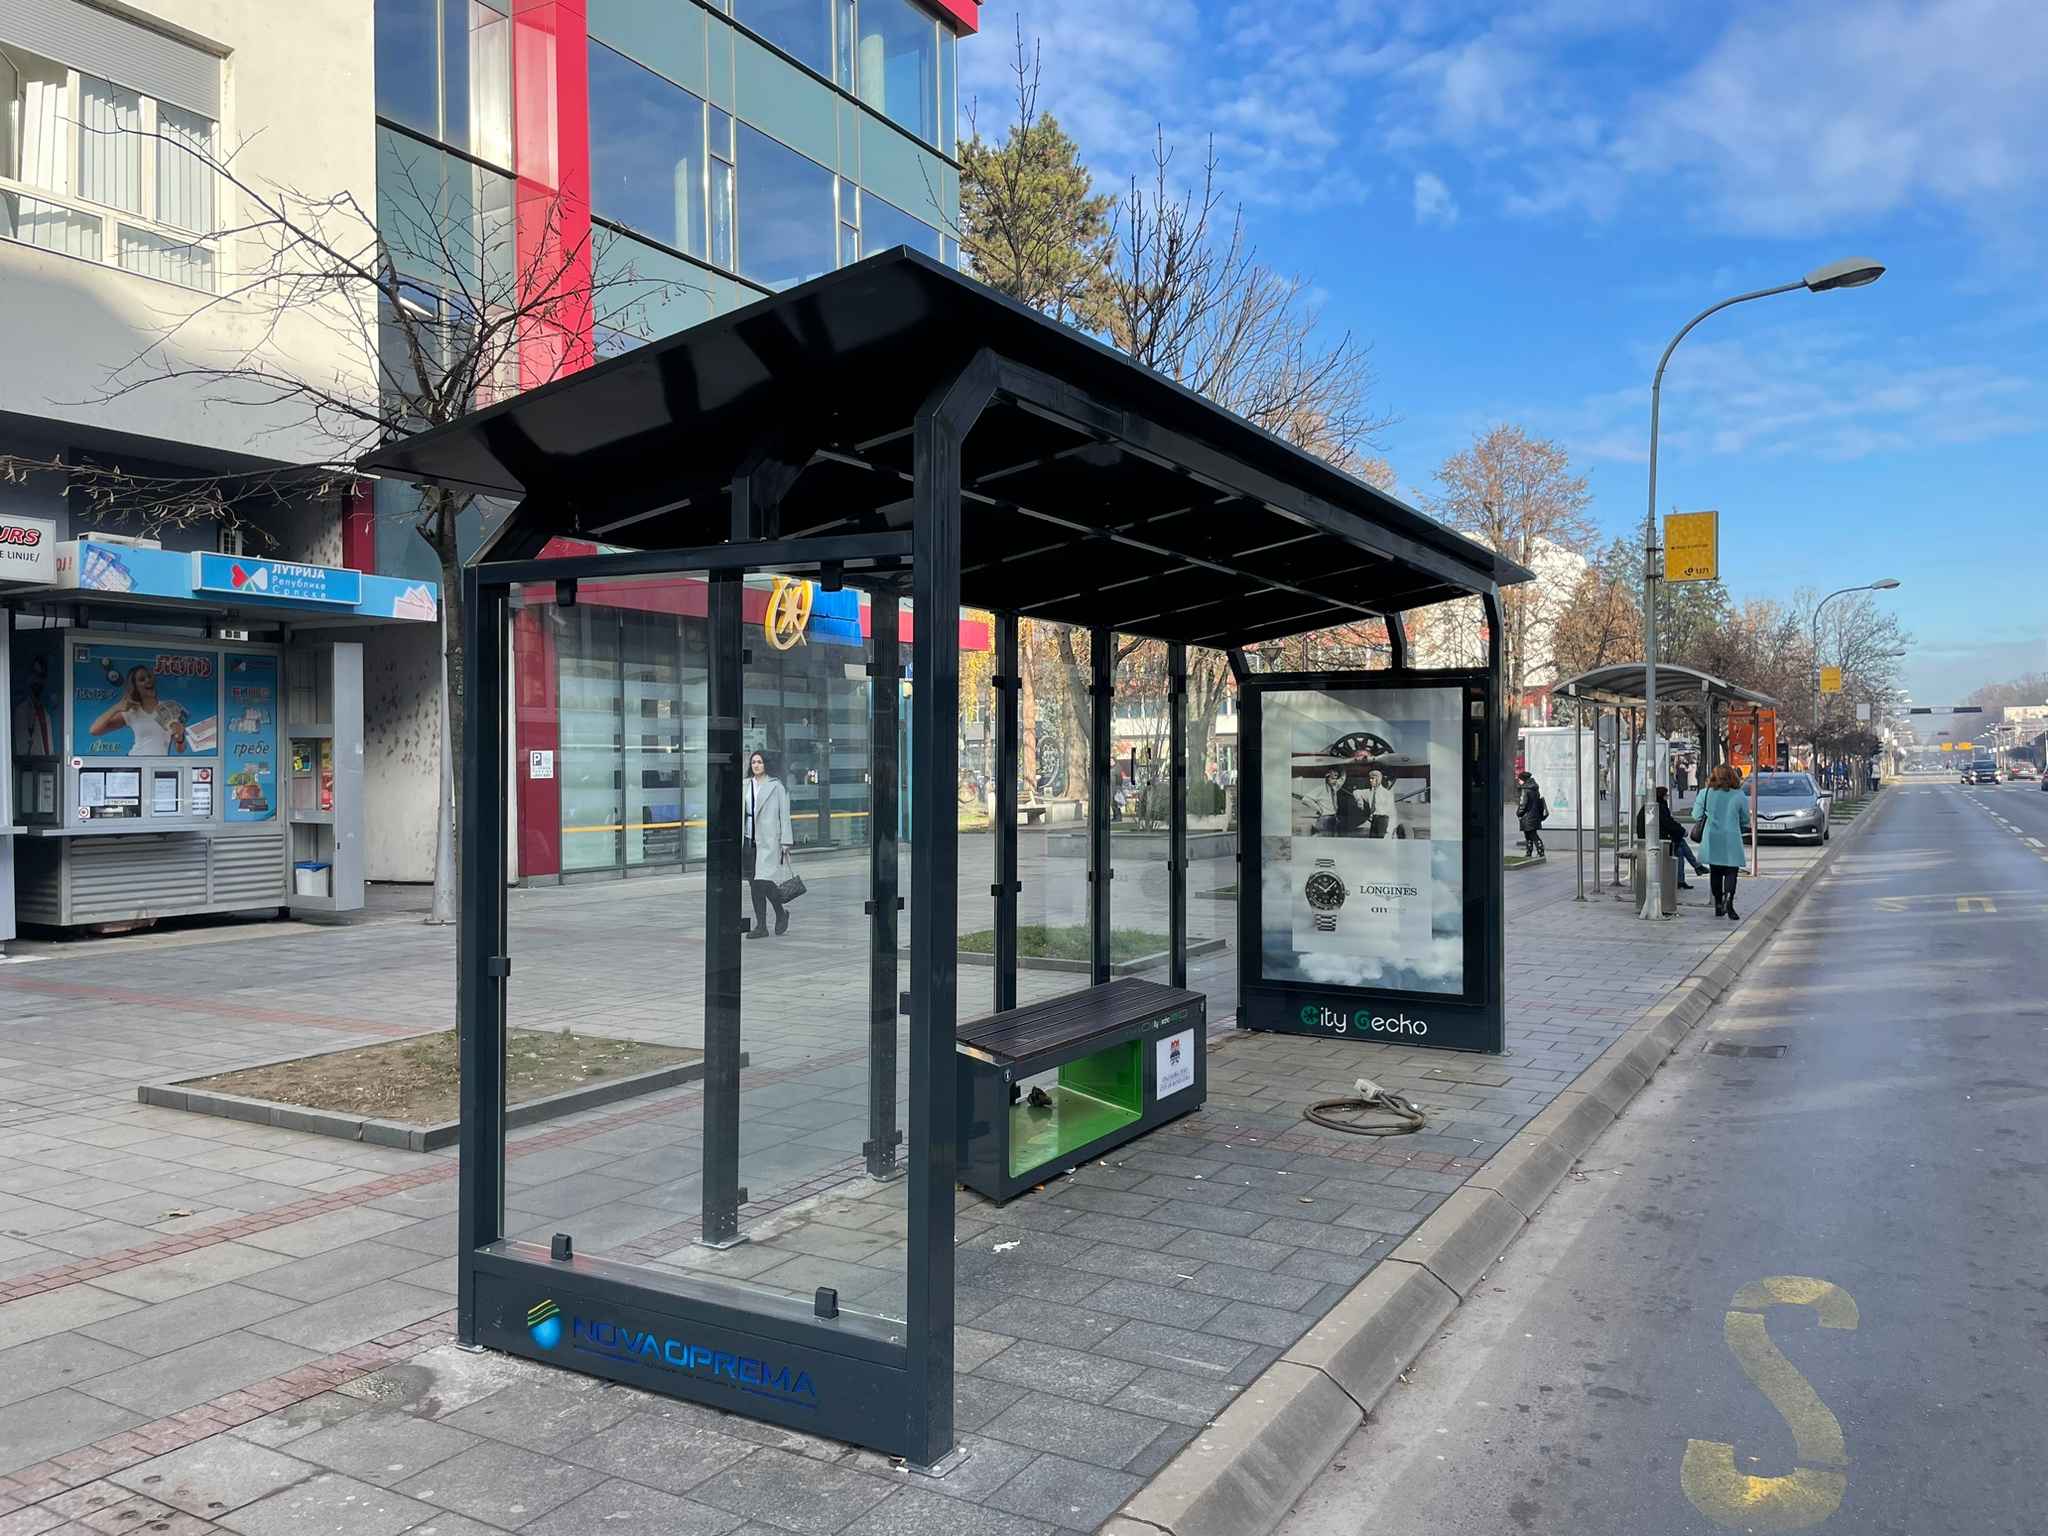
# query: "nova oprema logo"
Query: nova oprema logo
544,1323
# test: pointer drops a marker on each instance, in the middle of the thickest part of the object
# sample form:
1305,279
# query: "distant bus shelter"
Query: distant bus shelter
900,430
1622,689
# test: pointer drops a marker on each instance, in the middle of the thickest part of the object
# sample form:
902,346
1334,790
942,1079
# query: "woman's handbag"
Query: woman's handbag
789,886
1699,831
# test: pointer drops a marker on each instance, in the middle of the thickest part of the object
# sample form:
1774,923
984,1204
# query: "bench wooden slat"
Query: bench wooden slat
1057,1023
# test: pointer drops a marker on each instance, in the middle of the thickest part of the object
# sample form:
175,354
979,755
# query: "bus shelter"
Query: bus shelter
1620,691
900,431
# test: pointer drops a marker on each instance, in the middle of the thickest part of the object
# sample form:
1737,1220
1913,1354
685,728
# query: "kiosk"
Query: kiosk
187,733
897,428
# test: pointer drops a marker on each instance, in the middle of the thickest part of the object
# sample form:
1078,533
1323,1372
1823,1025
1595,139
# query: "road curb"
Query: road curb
1243,1473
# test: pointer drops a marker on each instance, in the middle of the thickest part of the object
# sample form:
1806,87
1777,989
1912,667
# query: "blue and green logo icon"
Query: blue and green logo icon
544,1322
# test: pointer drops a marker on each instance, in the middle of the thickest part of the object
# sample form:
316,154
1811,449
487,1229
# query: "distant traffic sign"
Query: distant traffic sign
1830,679
1692,546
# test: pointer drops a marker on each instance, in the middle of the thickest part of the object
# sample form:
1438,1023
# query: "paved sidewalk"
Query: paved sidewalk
210,1325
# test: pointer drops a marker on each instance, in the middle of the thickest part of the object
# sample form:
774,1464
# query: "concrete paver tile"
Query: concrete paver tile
213,1476
383,1446
183,1273
674,1454
197,1372
39,1427
298,1420
57,1360
500,1484
1083,1431
1048,1368
345,1320
329,1274
1069,1494
541,1416
619,1505
320,1234
793,1492
919,1511
329,1504
37,1317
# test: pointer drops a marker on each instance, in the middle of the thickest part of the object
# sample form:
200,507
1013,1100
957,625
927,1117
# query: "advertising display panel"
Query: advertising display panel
251,739
144,701
1371,913
1550,752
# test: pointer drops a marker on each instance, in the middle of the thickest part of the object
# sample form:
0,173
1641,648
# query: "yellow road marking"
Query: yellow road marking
1975,904
1812,1491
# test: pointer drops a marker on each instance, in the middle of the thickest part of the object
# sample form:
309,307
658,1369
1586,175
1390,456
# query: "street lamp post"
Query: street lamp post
1854,273
1885,584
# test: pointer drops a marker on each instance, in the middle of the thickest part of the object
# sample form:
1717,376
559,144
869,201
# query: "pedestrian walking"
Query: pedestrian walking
1672,830
1721,817
764,849
1679,778
1530,814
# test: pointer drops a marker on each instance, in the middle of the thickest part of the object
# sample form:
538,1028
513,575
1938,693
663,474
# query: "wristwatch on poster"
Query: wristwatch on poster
1325,893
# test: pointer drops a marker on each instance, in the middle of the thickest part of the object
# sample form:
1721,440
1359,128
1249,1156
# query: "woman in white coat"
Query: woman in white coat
766,835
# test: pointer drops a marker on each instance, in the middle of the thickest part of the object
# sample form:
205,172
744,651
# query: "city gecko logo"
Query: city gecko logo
614,1341
544,1322
1340,1021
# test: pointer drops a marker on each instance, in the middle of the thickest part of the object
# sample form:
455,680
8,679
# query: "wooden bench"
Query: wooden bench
1126,1057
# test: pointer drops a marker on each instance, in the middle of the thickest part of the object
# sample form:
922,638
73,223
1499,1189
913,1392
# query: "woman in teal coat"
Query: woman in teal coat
1723,809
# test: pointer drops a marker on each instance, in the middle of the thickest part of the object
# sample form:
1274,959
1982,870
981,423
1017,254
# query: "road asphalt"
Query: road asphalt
1798,1290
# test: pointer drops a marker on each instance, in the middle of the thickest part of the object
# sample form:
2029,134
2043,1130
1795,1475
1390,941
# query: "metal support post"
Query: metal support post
1009,692
724,888
484,965
1101,862
942,423
1579,794
1397,642
885,699
1177,812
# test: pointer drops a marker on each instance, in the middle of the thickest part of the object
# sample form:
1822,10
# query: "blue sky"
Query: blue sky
1518,205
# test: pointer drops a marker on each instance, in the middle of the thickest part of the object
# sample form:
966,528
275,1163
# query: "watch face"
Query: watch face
1325,891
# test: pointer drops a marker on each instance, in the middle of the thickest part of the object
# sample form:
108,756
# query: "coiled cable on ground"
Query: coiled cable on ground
1351,1115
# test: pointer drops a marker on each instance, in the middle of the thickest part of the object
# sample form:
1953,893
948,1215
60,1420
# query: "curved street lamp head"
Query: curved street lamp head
1885,585
1856,272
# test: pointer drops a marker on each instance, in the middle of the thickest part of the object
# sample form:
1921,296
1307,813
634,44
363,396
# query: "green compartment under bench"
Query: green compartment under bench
1127,1056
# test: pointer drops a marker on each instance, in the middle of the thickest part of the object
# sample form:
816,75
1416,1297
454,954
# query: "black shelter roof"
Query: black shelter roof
1094,490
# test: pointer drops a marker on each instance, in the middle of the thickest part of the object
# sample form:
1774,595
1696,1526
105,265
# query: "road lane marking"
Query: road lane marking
1813,1490
1975,904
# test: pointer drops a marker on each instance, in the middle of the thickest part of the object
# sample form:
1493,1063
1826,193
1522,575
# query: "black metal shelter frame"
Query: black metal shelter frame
896,427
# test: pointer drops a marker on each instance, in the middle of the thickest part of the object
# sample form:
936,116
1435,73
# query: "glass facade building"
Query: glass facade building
720,150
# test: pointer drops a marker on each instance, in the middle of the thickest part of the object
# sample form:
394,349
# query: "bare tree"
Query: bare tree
439,311
1517,495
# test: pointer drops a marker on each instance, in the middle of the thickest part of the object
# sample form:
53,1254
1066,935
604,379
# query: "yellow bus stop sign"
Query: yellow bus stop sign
1830,679
1692,546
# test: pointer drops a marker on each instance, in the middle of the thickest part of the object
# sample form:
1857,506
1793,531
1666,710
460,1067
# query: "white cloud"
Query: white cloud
1805,118
1433,201
1806,391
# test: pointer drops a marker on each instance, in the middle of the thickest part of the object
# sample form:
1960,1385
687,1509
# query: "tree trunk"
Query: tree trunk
1027,712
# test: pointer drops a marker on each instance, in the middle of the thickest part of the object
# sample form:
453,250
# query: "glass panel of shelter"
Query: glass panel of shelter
1056,788
1211,763
1141,788
609,980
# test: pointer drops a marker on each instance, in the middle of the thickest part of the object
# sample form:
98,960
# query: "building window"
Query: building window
724,209
883,226
800,28
444,70
407,58
785,213
898,61
95,169
646,151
